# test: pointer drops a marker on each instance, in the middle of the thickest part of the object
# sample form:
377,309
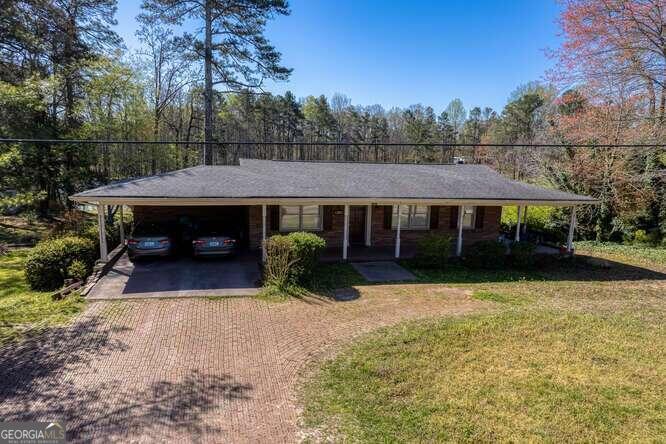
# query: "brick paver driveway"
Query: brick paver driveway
209,370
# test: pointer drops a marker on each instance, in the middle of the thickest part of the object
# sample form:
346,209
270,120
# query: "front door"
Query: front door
356,225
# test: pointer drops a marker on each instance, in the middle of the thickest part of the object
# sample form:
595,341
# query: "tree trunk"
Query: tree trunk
68,186
208,87
156,133
662,107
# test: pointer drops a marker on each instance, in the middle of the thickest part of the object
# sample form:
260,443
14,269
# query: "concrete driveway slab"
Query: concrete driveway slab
383,271
182,277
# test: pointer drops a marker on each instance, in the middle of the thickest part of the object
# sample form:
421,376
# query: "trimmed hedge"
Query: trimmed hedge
433,251
291,259
488,254
49,262
307,248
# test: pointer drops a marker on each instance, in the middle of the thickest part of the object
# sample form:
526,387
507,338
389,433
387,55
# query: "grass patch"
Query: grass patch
639,254
273,293
325,279
23,311
514,376
500,298
329,277
455,273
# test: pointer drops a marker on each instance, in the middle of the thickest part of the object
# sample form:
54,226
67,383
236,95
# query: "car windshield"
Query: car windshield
211,229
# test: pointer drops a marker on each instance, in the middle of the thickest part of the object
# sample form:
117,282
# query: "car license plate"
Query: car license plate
150,244
214,243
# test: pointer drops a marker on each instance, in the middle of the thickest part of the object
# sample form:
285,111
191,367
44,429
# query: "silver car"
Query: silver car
210,241
150,240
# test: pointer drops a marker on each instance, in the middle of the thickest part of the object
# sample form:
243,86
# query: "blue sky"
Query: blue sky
401,53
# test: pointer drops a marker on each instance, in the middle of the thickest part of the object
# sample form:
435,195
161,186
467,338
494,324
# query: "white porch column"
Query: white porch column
460,231
368,226
525,219
520,215
103,254
345,235
121,227
572,227
263,233
397,236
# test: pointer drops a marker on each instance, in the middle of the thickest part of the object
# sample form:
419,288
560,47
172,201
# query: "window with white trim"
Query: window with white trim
469,217
412,217
300,218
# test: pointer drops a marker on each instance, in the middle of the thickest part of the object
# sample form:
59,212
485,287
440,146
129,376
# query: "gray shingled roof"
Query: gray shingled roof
281,179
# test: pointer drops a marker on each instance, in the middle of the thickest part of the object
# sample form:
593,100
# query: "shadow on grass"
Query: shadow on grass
330,277
578,268
57,375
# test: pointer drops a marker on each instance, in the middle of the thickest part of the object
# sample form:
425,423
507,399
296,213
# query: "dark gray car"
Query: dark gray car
211,240
150,240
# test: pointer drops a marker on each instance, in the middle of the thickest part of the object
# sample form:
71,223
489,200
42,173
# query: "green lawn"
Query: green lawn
24,312
573,352
628,253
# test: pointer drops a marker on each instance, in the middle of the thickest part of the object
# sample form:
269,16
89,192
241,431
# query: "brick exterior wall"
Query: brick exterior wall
172,213
383,237
380,236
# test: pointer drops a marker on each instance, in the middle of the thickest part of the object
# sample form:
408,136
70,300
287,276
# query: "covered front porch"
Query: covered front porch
366,232
361,253
365,247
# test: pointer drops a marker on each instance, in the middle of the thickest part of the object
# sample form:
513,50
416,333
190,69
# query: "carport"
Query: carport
232,219
179,277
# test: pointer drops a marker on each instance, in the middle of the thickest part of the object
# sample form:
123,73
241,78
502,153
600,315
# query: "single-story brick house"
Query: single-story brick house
353,206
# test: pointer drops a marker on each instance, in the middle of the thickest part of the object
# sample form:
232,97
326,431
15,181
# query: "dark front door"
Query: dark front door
356,225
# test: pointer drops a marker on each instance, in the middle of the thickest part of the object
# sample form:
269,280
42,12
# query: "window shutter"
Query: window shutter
274,211
328,218
453,222
388,214
478,222
434,217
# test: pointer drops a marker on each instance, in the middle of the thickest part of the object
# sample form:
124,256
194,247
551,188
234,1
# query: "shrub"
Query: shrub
291,259
486,254
307,247
280,260
522,254
48,263
78,270
641,237
112,235
433,251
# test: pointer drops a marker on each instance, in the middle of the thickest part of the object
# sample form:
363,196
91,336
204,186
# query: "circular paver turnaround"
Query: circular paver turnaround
211,370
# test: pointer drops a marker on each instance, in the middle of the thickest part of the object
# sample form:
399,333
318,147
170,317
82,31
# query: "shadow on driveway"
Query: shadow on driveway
56,376
181,277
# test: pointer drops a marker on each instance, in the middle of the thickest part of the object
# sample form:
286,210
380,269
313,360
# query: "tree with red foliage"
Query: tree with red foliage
617,49
613,64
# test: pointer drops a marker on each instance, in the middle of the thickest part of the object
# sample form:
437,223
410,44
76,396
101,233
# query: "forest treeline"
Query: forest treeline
65,74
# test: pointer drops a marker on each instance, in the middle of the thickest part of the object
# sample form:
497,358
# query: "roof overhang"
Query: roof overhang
218,201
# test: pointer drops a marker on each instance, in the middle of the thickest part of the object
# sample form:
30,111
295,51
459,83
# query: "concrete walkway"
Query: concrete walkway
182,277
195,369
